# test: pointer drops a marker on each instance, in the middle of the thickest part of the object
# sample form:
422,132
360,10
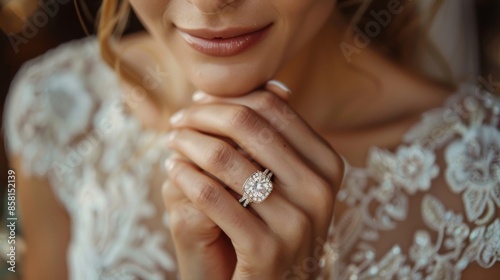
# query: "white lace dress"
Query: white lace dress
423,211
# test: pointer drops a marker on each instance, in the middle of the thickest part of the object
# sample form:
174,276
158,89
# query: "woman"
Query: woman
419,197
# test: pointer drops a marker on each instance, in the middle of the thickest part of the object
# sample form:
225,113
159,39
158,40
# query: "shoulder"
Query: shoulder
469,111
53,100
443,180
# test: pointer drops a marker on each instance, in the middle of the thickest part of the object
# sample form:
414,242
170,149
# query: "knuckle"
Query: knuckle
187,223
175,174
247,271
243,118
218,156
268,102
208,195
178,223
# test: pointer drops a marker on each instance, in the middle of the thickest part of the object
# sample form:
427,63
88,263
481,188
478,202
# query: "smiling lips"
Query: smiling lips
223,43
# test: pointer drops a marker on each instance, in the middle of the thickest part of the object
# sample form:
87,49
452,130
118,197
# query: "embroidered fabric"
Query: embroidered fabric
67,122
423,211
431,207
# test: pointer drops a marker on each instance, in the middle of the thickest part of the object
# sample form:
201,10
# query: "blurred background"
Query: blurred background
29,28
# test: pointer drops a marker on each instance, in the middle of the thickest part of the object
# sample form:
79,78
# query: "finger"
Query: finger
250,131
171,195
193,232
230,167
297,182
247,234
213,155
309,145
199,242
190,226
219,205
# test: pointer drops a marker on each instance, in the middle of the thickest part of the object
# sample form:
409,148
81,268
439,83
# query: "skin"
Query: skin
214,236
264,236
293,26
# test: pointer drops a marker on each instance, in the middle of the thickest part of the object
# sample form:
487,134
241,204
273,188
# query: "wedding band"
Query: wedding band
257,187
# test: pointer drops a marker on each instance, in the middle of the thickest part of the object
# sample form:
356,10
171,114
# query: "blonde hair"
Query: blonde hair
399,41
112,22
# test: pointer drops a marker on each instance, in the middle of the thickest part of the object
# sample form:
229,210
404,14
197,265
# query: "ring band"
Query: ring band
257,187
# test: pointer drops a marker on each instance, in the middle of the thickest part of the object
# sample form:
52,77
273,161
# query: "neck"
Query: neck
329,88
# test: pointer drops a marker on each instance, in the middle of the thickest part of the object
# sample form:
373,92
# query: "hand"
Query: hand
275,239
201,247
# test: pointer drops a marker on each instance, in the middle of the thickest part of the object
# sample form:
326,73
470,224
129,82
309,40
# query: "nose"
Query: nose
211,6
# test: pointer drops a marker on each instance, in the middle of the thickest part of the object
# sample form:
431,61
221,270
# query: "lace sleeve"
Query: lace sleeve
430,208
49,106
66,121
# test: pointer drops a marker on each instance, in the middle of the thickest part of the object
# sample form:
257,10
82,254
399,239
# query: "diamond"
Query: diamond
257,187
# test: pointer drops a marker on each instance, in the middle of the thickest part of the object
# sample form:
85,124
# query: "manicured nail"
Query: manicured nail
199,95
169,164
177,117
280,85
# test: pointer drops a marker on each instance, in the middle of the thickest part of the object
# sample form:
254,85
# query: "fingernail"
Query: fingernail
169,164
175,118
280,85
171,136
199,95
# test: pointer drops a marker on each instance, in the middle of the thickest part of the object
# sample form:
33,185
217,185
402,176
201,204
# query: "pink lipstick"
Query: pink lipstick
223,43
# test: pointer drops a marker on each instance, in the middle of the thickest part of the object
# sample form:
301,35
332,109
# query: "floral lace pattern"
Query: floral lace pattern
462,143
423,211
474,171
72,129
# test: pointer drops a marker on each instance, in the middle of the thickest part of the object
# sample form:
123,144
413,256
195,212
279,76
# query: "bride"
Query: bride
255,140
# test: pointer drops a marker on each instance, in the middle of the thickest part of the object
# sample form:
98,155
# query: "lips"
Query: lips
223,43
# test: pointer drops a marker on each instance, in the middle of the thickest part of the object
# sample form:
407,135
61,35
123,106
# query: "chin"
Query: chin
229,81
